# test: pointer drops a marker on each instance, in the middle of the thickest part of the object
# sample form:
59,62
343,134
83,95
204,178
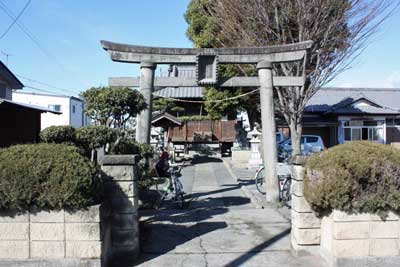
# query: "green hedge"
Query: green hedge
47,176
354,177
58,135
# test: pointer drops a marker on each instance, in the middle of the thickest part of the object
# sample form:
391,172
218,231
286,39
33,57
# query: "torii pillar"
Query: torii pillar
143,123
264,69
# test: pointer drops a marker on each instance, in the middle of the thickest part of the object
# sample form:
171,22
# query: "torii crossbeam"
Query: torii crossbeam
206,61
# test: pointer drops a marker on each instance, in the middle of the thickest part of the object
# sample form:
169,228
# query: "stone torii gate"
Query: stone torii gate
206,61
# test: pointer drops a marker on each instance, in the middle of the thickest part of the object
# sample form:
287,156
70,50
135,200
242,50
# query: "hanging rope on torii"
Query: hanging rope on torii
206,61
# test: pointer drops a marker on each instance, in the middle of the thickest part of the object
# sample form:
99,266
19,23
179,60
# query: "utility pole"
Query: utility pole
7,55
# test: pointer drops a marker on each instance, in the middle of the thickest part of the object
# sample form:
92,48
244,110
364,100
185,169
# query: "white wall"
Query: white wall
48,119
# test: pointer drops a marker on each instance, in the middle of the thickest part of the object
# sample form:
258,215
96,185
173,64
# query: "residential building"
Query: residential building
71,108
341,115
20,123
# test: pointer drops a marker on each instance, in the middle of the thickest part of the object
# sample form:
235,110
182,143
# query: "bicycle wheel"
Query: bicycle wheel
285,193
260,180
180,200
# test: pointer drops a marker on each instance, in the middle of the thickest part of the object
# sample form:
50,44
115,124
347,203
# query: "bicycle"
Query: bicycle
284,185
173,185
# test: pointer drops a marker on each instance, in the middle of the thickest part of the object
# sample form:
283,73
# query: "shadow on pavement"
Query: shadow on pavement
245,257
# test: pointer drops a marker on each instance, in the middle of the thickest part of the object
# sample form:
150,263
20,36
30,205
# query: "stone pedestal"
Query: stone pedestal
120,173
255,159
306,226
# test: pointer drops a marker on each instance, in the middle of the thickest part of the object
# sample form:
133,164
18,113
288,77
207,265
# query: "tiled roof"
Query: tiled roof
329,99
180,92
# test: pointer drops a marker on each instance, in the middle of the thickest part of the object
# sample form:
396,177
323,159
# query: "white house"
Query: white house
72,108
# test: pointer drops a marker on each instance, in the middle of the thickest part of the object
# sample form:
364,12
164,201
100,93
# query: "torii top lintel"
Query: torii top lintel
249,55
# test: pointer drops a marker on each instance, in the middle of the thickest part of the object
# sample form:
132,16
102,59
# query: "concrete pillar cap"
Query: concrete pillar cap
147,64
264,65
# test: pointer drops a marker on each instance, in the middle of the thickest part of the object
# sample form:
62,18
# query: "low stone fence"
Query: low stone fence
360,239
52,235
101,235
340,238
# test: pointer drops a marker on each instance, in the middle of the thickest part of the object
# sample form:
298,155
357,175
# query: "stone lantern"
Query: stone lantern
255,156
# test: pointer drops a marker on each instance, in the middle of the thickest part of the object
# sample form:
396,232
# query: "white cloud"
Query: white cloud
393,80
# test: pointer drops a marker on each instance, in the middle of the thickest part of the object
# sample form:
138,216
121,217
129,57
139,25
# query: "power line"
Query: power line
39,89
16,19
35,40
46,84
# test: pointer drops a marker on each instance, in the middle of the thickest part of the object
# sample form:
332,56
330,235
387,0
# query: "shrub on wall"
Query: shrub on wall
354,177
58,135
92,137
47,176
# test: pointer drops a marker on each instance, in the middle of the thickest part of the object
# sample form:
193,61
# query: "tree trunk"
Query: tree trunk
295,135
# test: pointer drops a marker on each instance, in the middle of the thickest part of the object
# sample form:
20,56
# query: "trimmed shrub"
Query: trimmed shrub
92,137
355,177
58,135
46,176
125,147
128,146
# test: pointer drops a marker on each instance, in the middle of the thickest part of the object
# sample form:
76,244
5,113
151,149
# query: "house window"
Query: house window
393,122
368,129
55,107
73,108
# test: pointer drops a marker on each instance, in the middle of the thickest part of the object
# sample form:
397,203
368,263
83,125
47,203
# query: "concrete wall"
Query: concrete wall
360,240
340,238
106,235
52,235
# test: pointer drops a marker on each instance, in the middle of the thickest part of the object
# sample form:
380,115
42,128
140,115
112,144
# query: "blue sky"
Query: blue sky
70,31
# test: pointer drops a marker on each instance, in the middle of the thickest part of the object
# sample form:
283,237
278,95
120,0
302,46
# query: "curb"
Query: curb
246,191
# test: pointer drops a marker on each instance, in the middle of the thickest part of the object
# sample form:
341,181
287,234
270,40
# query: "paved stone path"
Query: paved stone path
219,227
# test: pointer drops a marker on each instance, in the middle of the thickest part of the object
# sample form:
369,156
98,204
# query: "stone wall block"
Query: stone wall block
14,217
351,230
124,204
47,249
124,237
124,221
306,236
384,247
305,220
83,249
14,249
382,229
350,248
120,173
14,231
297,172
46,216
82,231
297,188
47,231
89,215
300,204
120,189
340,216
